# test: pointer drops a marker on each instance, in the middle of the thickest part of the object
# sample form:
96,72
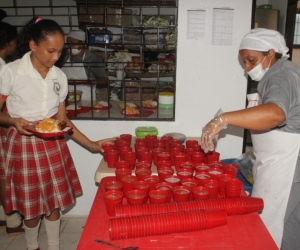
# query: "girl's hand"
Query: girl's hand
19,123
97,145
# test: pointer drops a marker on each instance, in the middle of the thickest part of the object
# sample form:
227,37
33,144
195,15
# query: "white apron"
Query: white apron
76,71
276,155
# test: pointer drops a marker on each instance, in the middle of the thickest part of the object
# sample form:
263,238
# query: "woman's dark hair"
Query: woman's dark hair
7,34
36,29
277,55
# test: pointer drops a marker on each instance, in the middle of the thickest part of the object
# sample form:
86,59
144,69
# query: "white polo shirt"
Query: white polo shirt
27,94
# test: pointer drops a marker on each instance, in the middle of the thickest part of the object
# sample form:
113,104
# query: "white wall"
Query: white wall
208,78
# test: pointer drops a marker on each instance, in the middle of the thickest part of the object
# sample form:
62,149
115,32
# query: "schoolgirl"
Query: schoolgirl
11,222
41,177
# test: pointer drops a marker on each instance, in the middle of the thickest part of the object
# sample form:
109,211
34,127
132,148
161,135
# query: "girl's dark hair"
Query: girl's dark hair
36,29
7,34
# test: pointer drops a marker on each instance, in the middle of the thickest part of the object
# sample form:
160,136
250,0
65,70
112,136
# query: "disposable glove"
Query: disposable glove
211,131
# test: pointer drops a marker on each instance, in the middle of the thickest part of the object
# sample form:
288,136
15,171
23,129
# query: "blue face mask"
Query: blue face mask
258,72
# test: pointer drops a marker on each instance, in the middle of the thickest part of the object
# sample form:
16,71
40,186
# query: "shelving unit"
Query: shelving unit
148,75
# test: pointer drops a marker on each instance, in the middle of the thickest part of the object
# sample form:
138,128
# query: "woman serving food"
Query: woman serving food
275,130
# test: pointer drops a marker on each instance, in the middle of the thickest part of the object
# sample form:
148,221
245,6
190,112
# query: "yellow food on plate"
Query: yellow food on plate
132,111
149,103
98,105
129,104
50,125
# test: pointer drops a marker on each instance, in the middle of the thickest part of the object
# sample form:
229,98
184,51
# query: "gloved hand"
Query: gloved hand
211,131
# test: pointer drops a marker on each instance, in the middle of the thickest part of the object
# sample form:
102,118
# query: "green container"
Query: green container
266,6
141,132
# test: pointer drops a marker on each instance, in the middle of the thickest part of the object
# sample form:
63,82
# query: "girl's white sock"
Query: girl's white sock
13,220
2,214
52,229
31,235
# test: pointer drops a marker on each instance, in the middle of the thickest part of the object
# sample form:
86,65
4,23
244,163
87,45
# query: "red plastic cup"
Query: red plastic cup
146,156
189,152
201,177
136,197
131,158
163,172
152,180
158,196
181,193
191,143
160,164
121,172
201,167
112,156
213,186
142,173
123,150
155,152
184,173
212,156
187,165
200,193
189,183
112,199
113,185
164,156
142,164
214,172
106,147
127,182
126,137
197,157
141,185
121,164
121,143
179,158
222,179
173,180
167,187
233,188
231,169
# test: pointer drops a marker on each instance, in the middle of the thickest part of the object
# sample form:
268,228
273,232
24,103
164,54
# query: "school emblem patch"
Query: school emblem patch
56,88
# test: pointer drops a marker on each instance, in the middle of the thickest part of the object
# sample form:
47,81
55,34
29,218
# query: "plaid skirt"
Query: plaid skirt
2,154
40,175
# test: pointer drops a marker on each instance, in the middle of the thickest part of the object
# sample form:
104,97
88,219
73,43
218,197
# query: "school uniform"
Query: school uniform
2,142
40,175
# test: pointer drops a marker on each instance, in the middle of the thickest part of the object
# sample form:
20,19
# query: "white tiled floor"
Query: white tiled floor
70,231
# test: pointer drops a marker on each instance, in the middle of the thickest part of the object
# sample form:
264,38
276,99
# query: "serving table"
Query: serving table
240,233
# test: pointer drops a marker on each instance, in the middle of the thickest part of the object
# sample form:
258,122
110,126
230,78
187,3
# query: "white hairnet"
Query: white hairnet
77,34
264,40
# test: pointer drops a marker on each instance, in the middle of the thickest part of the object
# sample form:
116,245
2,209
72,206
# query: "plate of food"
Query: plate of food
134,112
48,128
101,106
128,104
149,104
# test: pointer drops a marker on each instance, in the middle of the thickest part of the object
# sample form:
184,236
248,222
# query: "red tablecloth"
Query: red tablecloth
242,232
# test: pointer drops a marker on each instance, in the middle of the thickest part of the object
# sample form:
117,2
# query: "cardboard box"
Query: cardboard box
134,91
92,19
90,10
90,14
118,16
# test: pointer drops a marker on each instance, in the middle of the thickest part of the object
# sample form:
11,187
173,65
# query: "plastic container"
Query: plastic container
141,132
177,136
72,95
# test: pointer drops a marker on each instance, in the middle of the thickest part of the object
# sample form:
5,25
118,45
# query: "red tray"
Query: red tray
143,113
32,130
150,108
104,107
